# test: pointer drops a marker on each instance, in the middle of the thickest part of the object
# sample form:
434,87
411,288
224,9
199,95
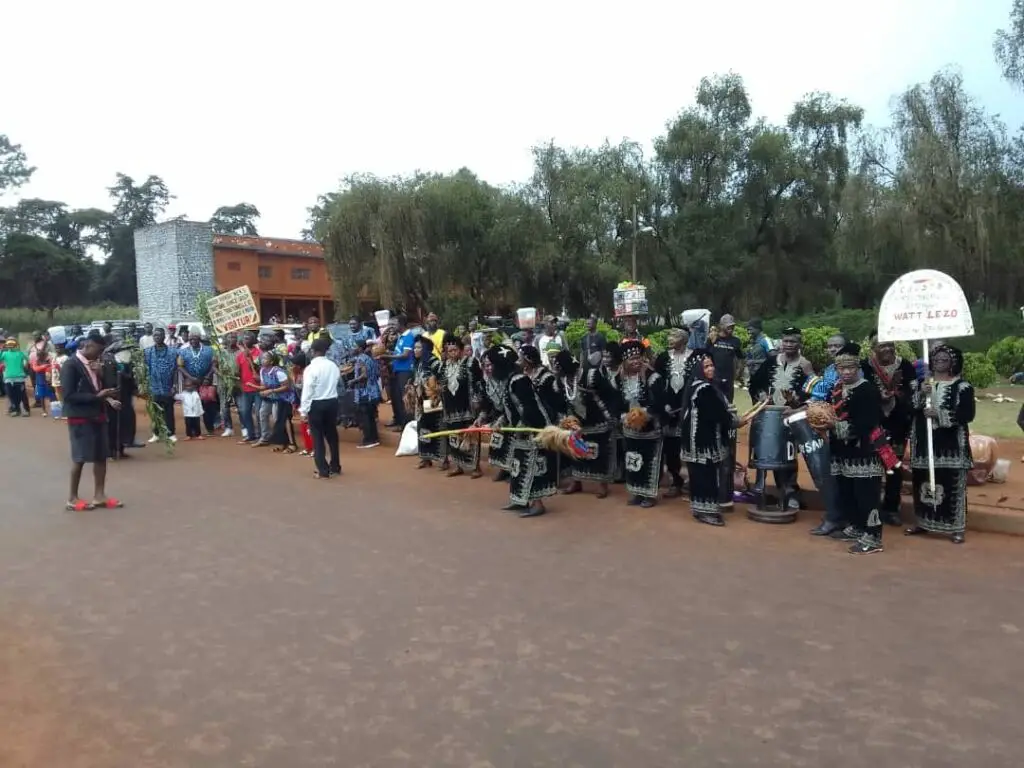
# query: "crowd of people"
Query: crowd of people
647,419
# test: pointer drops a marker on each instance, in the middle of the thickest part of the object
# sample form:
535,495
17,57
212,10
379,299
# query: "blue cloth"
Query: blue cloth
405,342
198,364
271,379
368,391
823,388
348,341
43,388
920,369
161,364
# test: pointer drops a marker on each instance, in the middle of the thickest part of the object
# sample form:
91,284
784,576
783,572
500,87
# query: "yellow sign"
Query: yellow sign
233,311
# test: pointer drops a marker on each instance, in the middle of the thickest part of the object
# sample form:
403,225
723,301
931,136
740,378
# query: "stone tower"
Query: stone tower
173,265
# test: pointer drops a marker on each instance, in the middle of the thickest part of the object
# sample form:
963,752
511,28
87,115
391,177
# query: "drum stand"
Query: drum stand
763,512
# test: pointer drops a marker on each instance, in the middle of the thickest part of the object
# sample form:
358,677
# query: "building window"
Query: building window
266,272
234,266
299,273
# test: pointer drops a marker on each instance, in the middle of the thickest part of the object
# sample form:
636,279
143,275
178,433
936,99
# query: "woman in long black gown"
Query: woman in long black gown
458,377
594,401
706,421
429,412
533,470
499,364
641,391
943,509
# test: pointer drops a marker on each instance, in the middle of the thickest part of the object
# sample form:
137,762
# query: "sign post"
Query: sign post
233,311
925,305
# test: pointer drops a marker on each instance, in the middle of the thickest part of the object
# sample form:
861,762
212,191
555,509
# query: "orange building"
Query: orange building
286,277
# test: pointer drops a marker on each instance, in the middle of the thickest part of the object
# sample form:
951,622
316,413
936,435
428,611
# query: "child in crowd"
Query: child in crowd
42,368
60,357
192,409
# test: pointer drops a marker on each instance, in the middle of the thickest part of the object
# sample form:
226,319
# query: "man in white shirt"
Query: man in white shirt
146,340
319,407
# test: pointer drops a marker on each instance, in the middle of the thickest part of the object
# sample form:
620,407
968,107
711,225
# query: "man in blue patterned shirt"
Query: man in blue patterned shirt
822,389
366,386
161,365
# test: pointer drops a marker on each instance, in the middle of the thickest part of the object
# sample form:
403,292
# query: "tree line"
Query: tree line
729,211
52,255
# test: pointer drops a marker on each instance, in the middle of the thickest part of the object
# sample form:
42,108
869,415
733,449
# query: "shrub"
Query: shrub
577,329
658,341
25,320
979,370
903,348
1007,355
814,345
741,333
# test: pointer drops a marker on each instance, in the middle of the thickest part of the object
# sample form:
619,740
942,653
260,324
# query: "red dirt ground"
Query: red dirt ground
238,613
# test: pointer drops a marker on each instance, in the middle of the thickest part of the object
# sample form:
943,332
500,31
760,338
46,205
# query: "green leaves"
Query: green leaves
237,219
14,167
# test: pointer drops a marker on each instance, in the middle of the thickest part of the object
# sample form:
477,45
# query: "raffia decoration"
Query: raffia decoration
637,419
554,439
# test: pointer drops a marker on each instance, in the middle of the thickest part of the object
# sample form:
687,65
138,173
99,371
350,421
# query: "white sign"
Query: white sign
925,304
233,311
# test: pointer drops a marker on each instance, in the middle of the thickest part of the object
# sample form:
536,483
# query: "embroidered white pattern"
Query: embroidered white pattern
634,461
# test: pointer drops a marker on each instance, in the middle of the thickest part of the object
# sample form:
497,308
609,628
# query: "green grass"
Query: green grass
24,320
999,420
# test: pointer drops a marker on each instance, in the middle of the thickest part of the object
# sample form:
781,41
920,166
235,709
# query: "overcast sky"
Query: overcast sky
272,103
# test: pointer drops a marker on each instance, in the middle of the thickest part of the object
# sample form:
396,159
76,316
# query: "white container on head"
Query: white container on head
527,317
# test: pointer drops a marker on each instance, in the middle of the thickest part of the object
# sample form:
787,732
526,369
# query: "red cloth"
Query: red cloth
307,438
247,376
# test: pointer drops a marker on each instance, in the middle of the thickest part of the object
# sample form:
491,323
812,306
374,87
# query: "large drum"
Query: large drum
770,444
814,448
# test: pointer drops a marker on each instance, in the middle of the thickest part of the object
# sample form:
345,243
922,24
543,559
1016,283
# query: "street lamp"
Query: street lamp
636,232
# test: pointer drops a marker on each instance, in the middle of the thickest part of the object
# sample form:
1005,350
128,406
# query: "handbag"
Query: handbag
208,393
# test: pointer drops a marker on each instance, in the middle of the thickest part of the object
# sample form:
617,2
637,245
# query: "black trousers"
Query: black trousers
167,403
323,428
397,389
192,428
368,422
211,409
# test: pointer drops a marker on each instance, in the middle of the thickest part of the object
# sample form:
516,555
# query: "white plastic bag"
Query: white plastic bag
409,445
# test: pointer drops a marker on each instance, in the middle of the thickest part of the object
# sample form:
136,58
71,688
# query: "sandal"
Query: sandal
78,505
108,503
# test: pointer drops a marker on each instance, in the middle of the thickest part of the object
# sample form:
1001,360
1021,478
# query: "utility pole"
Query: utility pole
636,233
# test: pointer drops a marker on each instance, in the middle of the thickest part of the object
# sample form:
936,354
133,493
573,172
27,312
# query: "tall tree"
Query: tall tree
1009,46
14,167
135,206
36,273
237,219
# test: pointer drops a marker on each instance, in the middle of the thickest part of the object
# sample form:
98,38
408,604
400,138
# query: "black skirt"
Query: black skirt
601,463
435,448
499,454
90,441
463,450
534,472
643,462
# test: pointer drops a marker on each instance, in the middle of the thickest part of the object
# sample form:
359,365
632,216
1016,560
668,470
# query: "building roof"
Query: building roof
270,245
